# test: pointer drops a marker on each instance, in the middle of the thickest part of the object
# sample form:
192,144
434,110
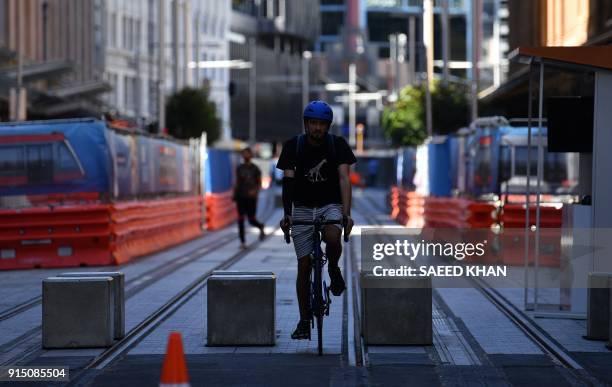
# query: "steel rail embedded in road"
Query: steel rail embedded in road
154,274
147,326
20,308
546,343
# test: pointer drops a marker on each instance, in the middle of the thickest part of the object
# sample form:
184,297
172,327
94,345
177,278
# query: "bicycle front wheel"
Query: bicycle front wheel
319,302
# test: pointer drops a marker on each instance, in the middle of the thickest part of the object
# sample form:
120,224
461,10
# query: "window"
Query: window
151,38
331,22
66,161
130,34
67,167
136,37
111,96
11,160
126,92
125,32
129,92
40,163
135,92
12,166
153,98
113,30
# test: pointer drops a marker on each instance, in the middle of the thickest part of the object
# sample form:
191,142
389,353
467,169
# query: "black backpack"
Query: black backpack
300,144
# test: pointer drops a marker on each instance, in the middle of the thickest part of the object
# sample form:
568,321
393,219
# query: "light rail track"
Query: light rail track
148,325
132,288
530,329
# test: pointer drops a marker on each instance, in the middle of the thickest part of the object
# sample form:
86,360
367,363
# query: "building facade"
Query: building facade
90,57
382,18
62,52
548,23
272,35
194,31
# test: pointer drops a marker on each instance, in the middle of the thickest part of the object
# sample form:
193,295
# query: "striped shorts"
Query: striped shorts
302,234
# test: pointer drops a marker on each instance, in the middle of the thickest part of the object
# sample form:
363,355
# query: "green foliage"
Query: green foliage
189,112
404,121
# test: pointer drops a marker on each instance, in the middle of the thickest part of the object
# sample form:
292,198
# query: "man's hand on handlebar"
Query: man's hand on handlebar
285,225
347,224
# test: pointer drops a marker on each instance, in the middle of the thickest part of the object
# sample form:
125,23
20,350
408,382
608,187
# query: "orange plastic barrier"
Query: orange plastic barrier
457,213
95,234
513,216
511,242
512,239
446,212
481,215
220,210
63,236
406,207
143,227
356,180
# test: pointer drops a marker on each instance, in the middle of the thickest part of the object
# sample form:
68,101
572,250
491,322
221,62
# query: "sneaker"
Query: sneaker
262,234
302,331
243,246
337,282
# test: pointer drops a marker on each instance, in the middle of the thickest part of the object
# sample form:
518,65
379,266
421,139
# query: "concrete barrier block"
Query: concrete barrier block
241,309
396,311
78,312
119,292
598,306
242,272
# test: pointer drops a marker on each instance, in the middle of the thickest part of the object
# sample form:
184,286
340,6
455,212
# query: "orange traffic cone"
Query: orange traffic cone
174,370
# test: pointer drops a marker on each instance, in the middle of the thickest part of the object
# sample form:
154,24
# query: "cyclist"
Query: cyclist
316,184
246,190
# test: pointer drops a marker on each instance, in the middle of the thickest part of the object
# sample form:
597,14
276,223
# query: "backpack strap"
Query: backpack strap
331,149
299,149
299,146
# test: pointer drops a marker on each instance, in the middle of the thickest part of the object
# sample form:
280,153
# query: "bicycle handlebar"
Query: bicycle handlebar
312,223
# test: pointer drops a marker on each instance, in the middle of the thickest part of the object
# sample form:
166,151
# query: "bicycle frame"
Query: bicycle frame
319,292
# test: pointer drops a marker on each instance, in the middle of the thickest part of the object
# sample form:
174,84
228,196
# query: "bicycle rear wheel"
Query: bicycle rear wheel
320,334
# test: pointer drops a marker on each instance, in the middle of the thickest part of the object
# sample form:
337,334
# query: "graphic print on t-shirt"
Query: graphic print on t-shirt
317,178
314,174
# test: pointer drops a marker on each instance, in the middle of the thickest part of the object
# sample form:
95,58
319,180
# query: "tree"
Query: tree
189,112
450,107
404,121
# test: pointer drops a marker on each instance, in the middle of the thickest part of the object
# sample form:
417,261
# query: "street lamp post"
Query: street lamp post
351,103
306,77
17,98
161,68
252,90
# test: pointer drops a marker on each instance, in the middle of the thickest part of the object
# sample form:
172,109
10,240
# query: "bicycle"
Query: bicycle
319,292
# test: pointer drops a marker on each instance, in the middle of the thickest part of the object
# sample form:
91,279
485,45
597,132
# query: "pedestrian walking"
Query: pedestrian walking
246,192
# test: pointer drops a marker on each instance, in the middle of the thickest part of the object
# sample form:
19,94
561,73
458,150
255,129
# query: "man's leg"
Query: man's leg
333,251
302,242
301,286
333,247
240,205
251,212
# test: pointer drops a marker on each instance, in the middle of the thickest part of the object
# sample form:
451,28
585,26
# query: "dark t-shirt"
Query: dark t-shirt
248,178
317,181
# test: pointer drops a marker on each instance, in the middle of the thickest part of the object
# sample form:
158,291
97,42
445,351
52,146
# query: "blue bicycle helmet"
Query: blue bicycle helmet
319,110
